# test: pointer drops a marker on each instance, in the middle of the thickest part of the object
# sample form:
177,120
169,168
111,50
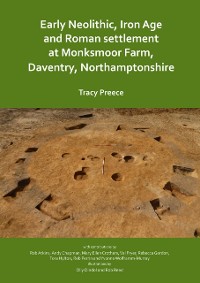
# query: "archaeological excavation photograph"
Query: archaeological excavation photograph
99,173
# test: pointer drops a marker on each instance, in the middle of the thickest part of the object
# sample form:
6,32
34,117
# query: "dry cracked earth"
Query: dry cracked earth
100,173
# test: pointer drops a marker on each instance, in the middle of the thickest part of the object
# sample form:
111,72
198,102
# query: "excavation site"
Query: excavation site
99,173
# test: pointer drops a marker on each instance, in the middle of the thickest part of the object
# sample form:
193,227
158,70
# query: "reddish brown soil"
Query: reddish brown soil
99,172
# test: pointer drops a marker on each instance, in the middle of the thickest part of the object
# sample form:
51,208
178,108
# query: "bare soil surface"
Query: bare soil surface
100,173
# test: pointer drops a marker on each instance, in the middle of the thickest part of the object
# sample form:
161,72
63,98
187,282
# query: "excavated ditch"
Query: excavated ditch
99,174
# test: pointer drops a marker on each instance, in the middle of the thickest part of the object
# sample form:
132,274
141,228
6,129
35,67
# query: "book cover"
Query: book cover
99,141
